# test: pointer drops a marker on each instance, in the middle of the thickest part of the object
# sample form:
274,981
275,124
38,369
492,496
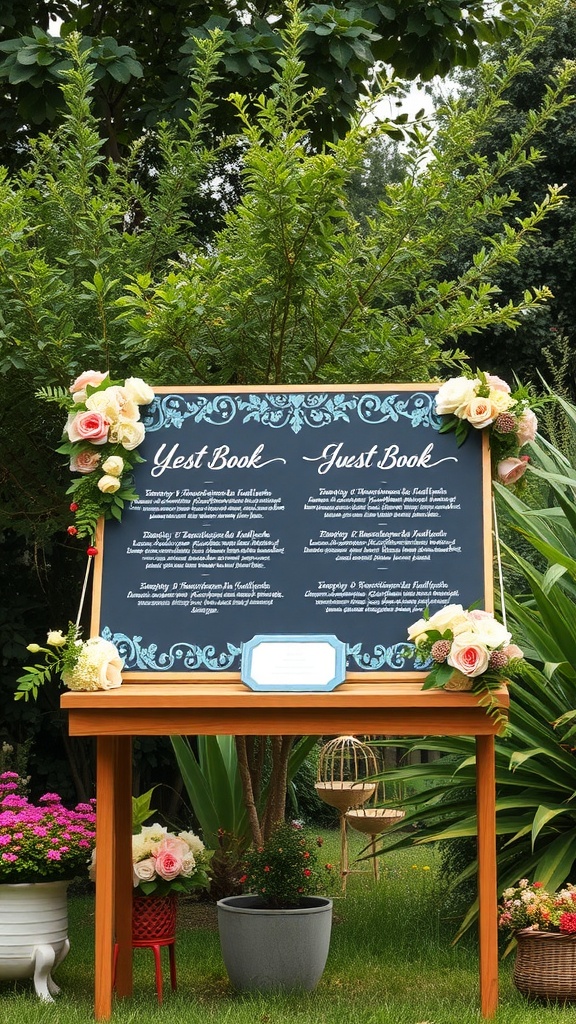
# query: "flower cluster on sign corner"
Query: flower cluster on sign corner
469,648
101,435
93,664
165,862
487,401
528,905
286,868
43,842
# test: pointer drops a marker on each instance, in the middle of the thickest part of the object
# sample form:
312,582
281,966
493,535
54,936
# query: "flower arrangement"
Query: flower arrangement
163,862
529,905
93,664
43,842
285,869
487,401
469,648
101,435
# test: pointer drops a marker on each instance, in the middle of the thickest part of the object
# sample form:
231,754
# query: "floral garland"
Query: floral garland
469,648
487,401
101,435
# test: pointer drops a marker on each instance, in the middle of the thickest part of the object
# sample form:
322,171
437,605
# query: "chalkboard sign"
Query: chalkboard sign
337,510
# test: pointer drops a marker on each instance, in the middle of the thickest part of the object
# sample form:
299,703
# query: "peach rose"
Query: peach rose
513,651
88,426
480,413
527,427
78,387
510,470
84,462
468,655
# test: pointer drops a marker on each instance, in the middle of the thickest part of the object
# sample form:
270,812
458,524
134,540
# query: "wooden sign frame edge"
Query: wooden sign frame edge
351,677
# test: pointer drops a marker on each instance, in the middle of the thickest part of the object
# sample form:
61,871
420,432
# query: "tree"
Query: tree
96,272
141,58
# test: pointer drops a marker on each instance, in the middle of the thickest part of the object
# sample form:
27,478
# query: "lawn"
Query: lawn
391,962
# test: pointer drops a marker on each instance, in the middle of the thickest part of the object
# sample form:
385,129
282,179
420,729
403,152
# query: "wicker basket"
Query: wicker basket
545,966
153,919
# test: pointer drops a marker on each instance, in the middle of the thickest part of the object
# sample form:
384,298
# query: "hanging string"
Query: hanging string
84,588
499,561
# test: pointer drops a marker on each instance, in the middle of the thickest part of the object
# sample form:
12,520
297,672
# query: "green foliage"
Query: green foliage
536,820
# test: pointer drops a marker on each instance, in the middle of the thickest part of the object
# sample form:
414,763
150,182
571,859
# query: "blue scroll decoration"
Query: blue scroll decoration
295,411
185,656
394,657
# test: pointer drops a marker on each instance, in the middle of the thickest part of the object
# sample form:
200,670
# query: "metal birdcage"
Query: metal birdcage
345,770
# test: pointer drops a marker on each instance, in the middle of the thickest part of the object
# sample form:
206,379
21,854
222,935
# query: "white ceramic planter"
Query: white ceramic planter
33,933
267,949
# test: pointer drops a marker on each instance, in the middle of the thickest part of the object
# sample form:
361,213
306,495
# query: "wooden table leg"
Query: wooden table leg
487,877
104,937
123,873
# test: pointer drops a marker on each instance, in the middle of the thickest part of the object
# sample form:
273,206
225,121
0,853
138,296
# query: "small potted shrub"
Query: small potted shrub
277,935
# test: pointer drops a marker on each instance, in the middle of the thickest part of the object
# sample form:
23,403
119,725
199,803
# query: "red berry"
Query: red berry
73,507
91,552
72,531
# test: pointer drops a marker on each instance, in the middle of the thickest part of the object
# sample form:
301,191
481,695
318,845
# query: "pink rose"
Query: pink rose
480,413
84,462
92,377
168,864
497,383
510,470
527,427
468,655
88,426
513,651
174,845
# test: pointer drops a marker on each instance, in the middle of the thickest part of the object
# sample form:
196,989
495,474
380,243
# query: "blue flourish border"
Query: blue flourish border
295,411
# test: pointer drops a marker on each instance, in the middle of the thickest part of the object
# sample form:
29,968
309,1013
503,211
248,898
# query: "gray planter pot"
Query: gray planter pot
266,949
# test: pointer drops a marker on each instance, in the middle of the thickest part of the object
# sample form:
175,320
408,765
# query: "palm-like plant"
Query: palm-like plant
535,758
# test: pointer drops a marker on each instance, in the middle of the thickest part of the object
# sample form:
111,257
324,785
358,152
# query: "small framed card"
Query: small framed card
298,663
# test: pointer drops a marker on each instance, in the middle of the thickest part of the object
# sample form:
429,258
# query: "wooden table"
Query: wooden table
206,707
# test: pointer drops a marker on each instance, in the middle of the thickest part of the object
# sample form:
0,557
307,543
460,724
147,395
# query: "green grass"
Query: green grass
391,962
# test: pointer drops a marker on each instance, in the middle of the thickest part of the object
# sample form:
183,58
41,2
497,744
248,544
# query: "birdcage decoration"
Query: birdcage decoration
345,770
373,821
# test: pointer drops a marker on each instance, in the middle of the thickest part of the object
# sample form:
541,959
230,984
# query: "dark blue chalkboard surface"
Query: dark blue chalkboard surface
313,510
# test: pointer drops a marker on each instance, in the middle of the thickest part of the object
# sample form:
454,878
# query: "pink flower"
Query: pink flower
53,855
84,462
92,377
468,655
10,857
513,651
168,865
88,426
497,383
527,427
510,470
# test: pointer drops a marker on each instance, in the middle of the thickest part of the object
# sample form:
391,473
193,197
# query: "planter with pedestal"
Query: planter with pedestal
33,933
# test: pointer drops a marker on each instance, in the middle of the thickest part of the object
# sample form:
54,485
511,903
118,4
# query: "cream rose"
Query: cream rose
489,630
188,865
527,427
139,391
99,667
501,401
114,465
451,617
144,871
127,433
84,462
468,655
510,470
108,484
56,638
87,426
417,632
455,394
193,842
480,413
114,403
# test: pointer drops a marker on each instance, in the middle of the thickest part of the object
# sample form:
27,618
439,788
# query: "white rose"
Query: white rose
99,667
144,871
195,844
527,427
139,391
114,465
56,638
127,433
417,631
456,392
489,630
188,865
114,403
451,617
153,834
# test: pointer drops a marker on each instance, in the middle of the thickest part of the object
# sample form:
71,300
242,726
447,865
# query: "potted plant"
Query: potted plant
42,847
164,864
277,935
544,926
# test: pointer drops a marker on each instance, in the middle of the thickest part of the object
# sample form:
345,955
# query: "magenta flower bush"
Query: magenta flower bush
44,842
